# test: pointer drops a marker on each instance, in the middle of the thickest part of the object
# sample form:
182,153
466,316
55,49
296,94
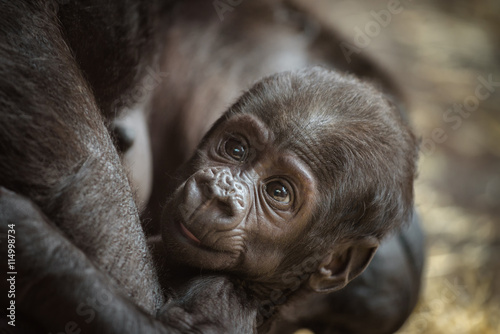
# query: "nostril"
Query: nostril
221,192
221,199
207,190
224,205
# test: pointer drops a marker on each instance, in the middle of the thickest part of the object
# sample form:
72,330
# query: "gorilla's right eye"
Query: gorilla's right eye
278,191
235,149
281,193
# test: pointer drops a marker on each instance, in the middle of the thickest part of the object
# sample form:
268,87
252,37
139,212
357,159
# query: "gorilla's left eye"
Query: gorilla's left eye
278,191
235,149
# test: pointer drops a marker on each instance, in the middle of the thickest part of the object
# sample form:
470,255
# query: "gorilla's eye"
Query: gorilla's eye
235,149
278,191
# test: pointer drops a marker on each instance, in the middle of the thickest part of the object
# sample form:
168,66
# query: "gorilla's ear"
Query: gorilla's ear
342,264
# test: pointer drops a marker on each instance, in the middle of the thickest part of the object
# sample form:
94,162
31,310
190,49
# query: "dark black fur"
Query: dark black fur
377,302
57,287
65,69
364,155
208,66
54,148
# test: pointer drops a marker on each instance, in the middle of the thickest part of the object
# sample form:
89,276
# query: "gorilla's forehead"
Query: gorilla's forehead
333,122
291,142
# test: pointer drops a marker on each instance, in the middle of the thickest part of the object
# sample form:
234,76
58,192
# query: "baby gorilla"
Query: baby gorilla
290,192
293,187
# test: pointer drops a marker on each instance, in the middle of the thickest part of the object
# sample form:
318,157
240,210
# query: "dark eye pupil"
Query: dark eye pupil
235,149
278,191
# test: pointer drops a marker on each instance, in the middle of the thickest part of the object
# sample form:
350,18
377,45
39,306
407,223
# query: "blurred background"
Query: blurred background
446,57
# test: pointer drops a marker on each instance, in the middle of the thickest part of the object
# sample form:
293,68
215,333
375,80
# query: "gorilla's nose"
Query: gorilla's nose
223,190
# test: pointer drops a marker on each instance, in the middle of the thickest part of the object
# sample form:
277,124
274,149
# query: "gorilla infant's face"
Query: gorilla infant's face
243,203
305,163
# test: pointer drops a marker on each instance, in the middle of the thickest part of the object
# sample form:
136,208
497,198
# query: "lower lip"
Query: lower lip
188,234
192,240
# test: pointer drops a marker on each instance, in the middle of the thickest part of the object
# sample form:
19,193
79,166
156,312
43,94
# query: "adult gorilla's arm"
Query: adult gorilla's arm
62,291
55,150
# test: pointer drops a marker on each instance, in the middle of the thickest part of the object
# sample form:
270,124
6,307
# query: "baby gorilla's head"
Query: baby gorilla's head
306,162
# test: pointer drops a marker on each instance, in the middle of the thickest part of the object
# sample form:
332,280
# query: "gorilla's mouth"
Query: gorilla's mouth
188,234
194,241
